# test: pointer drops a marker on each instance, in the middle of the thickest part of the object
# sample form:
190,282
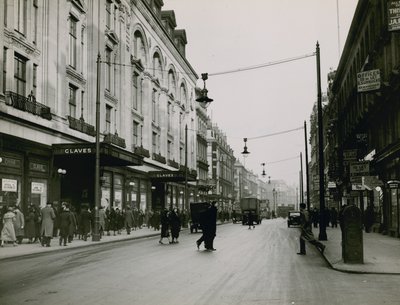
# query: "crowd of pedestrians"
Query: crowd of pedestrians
41,225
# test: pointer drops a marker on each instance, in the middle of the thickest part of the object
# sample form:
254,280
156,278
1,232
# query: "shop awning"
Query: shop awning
170,176
110,155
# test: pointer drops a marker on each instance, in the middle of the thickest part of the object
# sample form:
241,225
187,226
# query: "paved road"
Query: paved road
249,267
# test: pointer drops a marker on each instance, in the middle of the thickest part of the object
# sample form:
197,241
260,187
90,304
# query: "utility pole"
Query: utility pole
322,227
307,177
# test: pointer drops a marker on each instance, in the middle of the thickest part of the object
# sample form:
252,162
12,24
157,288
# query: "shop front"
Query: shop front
26,174
77,185
168,189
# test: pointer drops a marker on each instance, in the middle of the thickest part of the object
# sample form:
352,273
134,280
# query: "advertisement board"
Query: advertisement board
368,80
394,15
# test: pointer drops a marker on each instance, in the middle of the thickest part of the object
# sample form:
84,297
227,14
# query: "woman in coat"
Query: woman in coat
84,223
175,223
48,217
30,224
164,226
128,220
7,232
19,225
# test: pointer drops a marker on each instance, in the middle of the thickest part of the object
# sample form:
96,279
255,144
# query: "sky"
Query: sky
225,35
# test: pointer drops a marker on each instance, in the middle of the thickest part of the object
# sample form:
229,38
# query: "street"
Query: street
257,266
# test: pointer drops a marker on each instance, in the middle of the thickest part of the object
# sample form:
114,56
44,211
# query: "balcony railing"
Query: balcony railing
114,139
159,158
140,150
80,125
27,104
173,163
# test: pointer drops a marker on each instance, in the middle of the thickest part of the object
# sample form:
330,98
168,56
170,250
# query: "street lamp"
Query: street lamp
204,99
263,171
245,151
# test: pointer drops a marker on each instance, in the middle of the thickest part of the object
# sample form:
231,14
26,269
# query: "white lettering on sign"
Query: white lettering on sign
71,151
359,169
394,15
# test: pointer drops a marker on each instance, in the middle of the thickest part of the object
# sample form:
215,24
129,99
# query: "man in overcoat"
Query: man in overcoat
48,217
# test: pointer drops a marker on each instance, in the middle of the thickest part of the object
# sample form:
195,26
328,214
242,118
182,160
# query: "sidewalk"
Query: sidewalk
381,253
25,249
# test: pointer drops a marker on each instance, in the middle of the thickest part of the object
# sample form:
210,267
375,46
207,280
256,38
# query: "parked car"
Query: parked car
293,218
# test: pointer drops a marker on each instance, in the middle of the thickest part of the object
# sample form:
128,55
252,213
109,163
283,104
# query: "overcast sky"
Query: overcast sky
232,34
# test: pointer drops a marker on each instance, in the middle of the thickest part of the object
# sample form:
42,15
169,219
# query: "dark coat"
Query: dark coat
129,218
175,224
32,221
65,220
73,226
164,224
84,222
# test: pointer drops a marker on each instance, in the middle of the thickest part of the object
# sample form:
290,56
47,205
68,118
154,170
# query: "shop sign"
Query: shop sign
393,184
350,154
9,185
368,80
37,188
357,187
394,15
359,169
38,167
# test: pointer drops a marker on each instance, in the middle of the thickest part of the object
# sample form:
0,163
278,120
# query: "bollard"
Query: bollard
352,240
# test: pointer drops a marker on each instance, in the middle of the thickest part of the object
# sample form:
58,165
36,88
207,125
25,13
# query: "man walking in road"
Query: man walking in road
306,232
208,224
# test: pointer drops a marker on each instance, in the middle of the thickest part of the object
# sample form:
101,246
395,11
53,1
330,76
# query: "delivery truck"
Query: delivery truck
250,205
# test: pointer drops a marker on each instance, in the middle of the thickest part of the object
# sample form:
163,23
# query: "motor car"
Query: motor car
293,218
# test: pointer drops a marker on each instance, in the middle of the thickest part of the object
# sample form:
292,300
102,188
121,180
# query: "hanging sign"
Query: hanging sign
368,80
394,15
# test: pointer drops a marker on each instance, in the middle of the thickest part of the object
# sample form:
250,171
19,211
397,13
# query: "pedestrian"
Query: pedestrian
119,218
369,217
128,220
73,226
48,217
8,232
102,221
315,217
175,224
250,220
208,223
19,225
334,217
65,220
84,222
30,223
164,219
306,232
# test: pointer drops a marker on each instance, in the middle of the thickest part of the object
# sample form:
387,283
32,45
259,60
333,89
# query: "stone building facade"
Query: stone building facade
56,58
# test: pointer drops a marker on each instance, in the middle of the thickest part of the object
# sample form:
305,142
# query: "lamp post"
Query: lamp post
322,227
96,234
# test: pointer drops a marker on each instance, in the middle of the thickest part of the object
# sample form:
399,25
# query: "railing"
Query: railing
80,125
114,139
173,163
159,158
142,151
27,104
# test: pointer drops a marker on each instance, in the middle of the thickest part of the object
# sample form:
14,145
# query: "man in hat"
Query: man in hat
48,217
306,232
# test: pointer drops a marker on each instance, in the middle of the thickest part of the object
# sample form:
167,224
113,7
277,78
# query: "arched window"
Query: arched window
157,67
138,47
183,95
171,82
